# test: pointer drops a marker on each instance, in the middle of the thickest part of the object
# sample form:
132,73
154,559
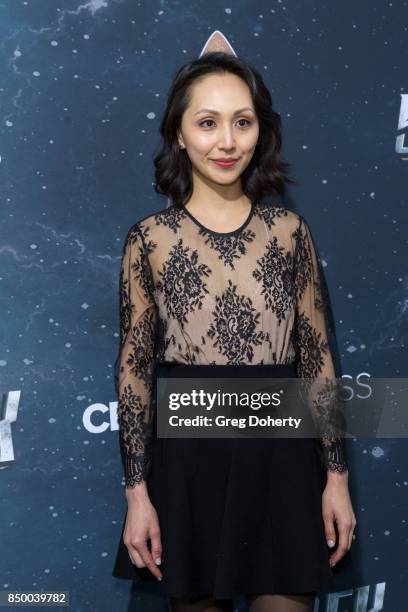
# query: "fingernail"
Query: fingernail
158,577
158,561
330,543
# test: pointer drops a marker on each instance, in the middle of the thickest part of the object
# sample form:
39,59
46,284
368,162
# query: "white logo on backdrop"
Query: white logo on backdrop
402,125
8,415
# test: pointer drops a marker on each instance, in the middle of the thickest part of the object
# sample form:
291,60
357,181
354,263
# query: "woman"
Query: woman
210,285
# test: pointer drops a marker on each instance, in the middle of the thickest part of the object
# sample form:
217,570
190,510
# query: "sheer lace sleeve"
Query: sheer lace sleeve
313,322
136,362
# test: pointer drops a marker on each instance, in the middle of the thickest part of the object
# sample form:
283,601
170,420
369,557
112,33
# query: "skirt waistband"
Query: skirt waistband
181,370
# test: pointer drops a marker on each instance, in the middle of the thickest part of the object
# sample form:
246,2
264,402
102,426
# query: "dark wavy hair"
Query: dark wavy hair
266,173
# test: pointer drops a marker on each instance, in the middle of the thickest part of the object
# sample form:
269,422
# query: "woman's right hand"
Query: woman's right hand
141,525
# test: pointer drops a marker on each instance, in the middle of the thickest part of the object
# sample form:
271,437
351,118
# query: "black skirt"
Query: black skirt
237,515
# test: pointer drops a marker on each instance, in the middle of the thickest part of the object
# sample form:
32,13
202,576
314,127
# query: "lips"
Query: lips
225,163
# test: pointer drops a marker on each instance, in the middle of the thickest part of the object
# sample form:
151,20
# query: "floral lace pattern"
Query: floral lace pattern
315,364
192,295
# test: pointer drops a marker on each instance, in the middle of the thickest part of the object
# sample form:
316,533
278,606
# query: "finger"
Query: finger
350,537
156,546
343,541
135,557
146,555
329,531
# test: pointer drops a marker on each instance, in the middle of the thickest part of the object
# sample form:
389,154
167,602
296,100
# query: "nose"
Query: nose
227,139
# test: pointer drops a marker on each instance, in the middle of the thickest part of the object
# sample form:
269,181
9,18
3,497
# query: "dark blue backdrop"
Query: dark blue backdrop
83,86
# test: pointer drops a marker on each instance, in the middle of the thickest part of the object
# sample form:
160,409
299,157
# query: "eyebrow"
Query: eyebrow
214,112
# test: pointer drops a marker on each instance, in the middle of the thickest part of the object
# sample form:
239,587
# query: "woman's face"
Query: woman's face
220,122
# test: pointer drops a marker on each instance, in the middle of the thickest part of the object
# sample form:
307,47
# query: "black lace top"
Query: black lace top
192,295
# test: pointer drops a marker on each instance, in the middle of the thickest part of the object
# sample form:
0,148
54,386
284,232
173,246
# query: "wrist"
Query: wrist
336,476
137,491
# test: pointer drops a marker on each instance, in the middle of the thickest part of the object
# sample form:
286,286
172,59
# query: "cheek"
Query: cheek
249,140
202,141
200,147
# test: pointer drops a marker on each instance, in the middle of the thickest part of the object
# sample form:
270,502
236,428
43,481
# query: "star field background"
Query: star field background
82,88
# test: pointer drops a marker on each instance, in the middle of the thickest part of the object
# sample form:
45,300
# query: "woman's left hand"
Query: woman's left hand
337,508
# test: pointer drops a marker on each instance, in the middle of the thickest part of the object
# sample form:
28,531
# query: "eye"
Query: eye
206,121
248,122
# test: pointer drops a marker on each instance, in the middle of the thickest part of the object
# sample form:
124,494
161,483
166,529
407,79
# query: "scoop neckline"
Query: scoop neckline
214,232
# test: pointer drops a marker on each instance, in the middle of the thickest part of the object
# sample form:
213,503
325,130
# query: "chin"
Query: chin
226,181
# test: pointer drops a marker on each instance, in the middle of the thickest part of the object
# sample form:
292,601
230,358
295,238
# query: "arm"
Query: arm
313,320
136,363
